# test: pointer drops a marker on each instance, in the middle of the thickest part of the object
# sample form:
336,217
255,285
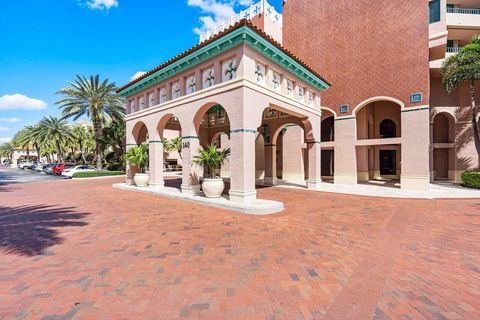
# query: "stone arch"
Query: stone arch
210,121
369,117
168,121
140,133
443,127
376,99
387,128
328,129
329,110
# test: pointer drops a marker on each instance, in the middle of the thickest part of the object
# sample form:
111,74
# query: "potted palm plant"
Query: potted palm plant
212,158
138,156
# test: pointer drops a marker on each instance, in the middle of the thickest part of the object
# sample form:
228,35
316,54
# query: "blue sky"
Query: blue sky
44,43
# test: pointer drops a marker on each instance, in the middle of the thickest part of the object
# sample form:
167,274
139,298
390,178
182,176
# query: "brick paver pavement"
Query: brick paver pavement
82,250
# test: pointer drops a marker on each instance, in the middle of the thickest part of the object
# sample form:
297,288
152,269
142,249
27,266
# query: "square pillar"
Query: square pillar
415,171
242,165
190,171
345,156
270,165
155,155
314,154
314,180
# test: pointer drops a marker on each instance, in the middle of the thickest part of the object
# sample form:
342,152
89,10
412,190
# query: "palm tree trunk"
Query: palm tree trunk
476,136
97,132
59,153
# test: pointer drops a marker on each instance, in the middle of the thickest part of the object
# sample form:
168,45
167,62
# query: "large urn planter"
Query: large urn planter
212,159
213,188
138,157
141,179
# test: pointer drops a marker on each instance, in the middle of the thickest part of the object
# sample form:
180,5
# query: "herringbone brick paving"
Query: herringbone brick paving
81,250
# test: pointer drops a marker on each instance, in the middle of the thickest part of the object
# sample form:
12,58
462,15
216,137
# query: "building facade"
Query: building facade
253,84
383,59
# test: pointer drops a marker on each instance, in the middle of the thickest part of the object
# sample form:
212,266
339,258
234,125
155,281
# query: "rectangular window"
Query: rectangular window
344,108
434,11
416,97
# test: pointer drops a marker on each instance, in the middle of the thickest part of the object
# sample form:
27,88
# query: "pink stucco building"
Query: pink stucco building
258,85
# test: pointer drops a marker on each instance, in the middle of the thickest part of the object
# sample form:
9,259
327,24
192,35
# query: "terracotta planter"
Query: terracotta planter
141,179
213,188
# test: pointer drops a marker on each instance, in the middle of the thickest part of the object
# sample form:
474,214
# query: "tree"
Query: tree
212,158
6,150
55,131
96,100
464,67
172,145
79,137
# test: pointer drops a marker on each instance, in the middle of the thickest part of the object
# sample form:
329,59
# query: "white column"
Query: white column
242,165
314,155
156,163
190,171
345,159
415,171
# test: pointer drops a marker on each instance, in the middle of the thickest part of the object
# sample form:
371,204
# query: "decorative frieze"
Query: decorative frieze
229,69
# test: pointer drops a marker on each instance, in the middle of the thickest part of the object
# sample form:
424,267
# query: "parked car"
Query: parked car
40,167
49,168
28,165
62,166
69,172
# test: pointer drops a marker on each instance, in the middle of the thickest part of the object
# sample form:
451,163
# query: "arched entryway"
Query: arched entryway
211,126
328,146
443,138
378,146
170,133
285,156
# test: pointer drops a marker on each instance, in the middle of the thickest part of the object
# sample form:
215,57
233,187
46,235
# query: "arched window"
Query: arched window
328,129
388,129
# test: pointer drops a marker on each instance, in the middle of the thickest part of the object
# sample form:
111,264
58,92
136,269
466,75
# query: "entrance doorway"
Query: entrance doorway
388,162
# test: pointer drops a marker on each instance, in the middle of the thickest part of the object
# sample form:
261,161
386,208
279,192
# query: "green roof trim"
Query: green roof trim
239,36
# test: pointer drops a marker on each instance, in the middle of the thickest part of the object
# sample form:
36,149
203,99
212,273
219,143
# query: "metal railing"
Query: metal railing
463,10
453,49
254,10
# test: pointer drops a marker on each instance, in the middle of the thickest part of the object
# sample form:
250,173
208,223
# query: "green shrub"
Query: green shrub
99,173
471,179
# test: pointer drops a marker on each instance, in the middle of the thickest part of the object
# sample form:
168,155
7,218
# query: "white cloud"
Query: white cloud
3,129
137,75
102,4
21,102
215,12
10,120
3,140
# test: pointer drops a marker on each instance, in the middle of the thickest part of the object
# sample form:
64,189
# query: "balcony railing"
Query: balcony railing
254,10
463,11
453,49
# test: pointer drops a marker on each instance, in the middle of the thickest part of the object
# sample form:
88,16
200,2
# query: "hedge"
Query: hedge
99,173
471,179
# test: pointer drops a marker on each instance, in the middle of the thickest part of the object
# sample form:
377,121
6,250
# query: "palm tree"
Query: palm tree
114,136
27,137
6,150
79,137
465,67
174,144
94,99
56,131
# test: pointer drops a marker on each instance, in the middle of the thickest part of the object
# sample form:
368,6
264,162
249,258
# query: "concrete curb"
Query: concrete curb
258,207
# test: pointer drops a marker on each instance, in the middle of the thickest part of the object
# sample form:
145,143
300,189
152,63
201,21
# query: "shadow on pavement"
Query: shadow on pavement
29,230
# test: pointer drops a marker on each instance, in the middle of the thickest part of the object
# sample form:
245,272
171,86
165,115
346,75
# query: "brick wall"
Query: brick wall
364,48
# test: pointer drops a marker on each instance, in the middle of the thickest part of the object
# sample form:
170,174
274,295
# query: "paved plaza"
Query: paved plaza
82,250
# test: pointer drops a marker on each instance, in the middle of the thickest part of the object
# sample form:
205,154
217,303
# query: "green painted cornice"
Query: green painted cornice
239,36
